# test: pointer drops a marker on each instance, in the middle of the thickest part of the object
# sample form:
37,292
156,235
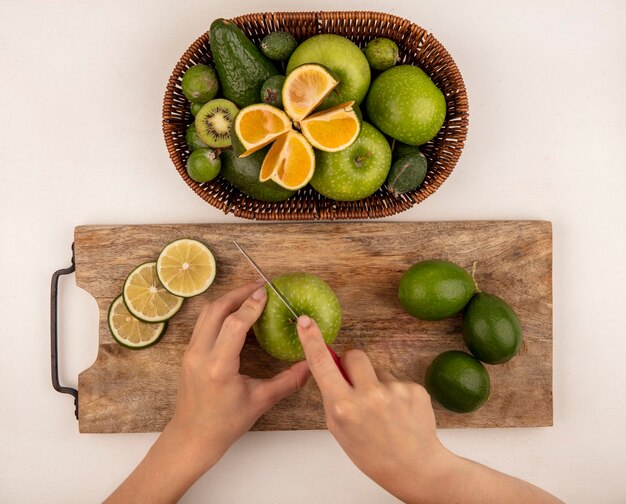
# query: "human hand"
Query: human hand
216,404
385,425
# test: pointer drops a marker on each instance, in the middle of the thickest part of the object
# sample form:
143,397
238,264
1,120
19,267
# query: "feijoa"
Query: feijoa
407,174
491,329
272,91
381,53
200,84
278,45
401,149
193,139
203,165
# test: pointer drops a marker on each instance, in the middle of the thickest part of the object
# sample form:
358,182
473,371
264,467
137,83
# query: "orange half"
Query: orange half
290,162
305,88
332,130
260,124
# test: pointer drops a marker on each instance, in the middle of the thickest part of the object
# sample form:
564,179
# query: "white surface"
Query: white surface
81,143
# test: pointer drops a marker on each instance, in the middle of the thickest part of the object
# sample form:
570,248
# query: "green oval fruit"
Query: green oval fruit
458,381
213,122
309,295
203,165
407,174
241,67
195,108
405,104
243,173
343,58
272,91
193,139
381,53
491,329
401,149
355,172
278,45
200,84
435,289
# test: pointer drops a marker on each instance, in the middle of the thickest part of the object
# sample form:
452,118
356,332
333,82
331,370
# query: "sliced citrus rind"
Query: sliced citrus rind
273,159
186,267
305,88
146,297
130,332
296,162
259,124
332,130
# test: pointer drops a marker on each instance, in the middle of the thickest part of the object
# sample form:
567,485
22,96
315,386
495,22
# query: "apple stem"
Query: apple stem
361,158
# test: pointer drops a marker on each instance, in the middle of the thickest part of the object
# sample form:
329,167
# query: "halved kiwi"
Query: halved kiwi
214,120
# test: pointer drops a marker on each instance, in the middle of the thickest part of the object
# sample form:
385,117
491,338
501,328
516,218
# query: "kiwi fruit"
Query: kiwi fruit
213,122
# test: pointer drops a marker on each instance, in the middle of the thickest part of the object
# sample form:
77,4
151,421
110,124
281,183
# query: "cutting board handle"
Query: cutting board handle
54,360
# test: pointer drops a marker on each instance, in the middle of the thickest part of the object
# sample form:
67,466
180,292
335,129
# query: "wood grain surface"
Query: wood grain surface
135,391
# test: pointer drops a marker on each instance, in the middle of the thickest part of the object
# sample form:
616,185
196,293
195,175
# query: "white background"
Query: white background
81,143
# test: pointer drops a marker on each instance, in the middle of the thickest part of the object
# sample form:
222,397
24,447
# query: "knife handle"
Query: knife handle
338,362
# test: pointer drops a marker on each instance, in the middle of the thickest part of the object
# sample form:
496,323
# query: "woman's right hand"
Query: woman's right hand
387,428
385,425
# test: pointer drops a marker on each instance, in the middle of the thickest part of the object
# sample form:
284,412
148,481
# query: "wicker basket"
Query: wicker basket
417,47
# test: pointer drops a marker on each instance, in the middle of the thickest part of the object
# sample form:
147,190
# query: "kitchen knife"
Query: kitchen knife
288,305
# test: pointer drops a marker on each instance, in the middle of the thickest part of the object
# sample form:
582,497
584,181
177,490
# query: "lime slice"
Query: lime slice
146,298
186,267
129,331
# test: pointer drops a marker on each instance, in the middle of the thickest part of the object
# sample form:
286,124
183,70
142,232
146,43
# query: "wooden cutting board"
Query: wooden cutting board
135,391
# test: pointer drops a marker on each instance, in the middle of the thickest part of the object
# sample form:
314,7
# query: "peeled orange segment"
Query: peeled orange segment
273,159
128,330
295,163
186,267
258,125
332,130
146,298
305,88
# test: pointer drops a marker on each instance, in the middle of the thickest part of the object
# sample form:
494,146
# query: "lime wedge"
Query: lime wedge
129,331
186,267
146,298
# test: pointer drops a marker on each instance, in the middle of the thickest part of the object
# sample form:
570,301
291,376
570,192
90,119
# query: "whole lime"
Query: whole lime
491,329
200,84
381,53
345,61
458,381
406,105
203,165
355,172
435,289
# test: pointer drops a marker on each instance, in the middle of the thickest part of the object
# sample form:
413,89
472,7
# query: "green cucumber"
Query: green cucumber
240,65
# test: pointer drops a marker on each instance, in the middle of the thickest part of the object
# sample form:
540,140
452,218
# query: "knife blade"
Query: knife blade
288,305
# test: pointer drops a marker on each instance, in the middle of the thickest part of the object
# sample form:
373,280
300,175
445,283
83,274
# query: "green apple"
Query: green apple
406,105
355,172
346,63
308,295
